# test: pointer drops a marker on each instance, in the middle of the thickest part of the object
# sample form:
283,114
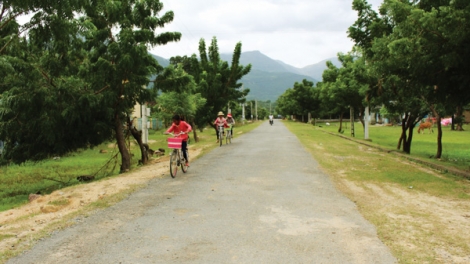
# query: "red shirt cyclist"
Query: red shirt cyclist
180,126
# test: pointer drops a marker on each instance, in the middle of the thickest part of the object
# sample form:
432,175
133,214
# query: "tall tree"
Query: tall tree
179,96
300,100
286,103
43,108
177,79
117,36
424,59
218,81
389,56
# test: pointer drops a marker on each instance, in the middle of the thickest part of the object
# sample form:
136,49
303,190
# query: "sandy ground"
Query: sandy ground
418,220
24,224
413,221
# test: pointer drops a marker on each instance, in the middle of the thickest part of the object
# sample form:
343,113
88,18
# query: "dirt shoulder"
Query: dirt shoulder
417,226
21,227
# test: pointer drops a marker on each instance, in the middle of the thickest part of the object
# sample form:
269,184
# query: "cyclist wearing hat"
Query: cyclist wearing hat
231,121
220,122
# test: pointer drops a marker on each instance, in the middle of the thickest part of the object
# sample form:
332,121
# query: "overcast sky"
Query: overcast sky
297,32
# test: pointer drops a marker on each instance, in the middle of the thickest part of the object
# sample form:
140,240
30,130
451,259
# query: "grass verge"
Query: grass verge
422,215
18,181
455,144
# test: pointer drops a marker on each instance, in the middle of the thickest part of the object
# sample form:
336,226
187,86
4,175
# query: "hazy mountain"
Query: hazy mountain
270,85
270,78
259,61
316,70
162,61
291,68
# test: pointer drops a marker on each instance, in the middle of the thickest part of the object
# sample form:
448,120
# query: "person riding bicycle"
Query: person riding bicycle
220,122
271,119
184,128
231,121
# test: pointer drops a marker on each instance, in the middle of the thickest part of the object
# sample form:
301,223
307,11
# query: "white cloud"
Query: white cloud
297,32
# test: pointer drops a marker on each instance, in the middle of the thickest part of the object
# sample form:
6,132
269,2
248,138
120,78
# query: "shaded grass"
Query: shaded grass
18,181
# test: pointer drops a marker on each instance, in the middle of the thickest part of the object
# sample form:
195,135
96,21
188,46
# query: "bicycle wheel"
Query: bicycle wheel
184,168
174,163
221,138
230,137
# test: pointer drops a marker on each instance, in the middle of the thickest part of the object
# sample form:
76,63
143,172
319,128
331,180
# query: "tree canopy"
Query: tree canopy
74,72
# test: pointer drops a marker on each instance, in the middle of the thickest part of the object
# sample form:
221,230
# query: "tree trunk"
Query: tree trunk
138,137
402,136
439,131
403,132
439,138
408,124
407,143
121,142
193,125
413,120
459,117
340,122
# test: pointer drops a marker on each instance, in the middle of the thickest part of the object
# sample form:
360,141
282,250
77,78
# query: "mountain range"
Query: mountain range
270,78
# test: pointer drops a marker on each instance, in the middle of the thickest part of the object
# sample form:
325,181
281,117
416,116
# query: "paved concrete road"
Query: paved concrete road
261,199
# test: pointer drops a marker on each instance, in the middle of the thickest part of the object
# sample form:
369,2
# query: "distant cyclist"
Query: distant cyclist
231,121
220,122
178,127
271,119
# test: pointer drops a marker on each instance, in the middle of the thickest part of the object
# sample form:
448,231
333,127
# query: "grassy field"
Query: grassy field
455,144
421,214
18,181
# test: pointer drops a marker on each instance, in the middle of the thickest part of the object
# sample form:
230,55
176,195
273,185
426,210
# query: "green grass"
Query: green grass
18,181
403,200
379,167
455,144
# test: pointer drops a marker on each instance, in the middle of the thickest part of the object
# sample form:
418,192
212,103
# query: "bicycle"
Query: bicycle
176,156
221,134
228,138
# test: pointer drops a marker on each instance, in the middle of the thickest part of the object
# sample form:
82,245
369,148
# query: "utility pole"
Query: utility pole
243,113
351,112
366,123
145,124
256,109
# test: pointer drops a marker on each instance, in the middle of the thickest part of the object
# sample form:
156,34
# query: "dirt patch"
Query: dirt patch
412,223
415,221
24,224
